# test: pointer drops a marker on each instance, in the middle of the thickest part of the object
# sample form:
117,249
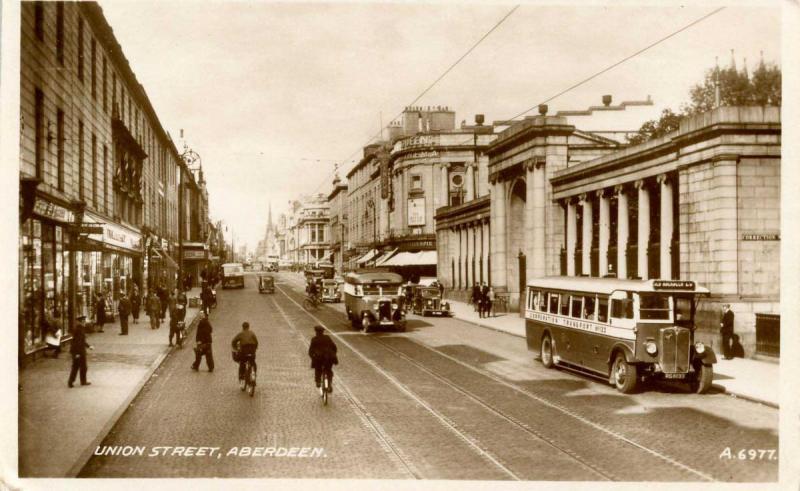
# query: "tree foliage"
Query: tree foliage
736,87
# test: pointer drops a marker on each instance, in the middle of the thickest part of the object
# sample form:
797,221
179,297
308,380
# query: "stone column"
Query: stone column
622,232
605,231
666,227
572,236
530,221
539,259
499,234
444,186
586,244
484,251
470,182
644,227
466,255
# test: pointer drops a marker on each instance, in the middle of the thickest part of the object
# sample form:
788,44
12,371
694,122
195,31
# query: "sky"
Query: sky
272,95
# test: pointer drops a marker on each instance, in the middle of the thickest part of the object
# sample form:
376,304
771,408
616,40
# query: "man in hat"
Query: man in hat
78,351
124,309
322,352
726,330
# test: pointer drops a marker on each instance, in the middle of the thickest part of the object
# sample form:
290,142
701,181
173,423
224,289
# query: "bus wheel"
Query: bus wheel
624,374
701,380
547,351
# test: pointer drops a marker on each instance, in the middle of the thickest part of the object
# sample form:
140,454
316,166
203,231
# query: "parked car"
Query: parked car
374,299
266,283
428,300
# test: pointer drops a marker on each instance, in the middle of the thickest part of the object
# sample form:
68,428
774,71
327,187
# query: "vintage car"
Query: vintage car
266,283
232,275
329,292
374,299
428,300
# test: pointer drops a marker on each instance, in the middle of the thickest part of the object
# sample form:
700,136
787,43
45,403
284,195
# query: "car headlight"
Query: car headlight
394,306
699,348
651,348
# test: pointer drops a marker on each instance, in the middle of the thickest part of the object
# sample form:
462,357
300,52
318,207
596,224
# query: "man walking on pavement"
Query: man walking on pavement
203,347
136,303
726,330
124,309
206,298
153,310
78,351
163,297
100,312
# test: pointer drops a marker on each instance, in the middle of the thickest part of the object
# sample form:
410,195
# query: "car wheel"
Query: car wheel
625,375
700,382
547,351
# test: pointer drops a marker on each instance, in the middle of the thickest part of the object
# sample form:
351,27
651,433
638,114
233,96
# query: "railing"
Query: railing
768,334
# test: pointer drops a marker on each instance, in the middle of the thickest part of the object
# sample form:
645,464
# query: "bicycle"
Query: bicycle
311,302
181,335
248,383
325,387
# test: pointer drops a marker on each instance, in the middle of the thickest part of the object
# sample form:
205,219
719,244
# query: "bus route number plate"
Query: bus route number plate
674,375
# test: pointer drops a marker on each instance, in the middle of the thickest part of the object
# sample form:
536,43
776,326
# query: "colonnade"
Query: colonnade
602,198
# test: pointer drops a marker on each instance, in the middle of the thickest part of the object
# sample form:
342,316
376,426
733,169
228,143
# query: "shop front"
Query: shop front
195,258
159,265
114,267
43,273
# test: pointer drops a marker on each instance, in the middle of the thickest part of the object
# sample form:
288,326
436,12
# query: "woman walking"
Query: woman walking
100,312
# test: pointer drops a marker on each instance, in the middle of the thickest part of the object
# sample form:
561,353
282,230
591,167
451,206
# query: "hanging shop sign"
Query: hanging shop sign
194,254
416,212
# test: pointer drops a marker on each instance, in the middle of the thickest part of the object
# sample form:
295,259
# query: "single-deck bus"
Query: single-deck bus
623,330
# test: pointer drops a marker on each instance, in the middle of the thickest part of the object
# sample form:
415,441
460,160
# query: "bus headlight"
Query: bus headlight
394,306
651,348
699,348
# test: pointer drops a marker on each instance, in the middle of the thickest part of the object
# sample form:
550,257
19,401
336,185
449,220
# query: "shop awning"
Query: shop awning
422,258
380,260
160,254
366,257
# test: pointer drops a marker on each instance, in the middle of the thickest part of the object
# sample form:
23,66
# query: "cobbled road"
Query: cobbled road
443,400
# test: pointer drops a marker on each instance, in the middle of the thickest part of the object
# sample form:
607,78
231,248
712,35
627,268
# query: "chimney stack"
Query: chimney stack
542,109
607,100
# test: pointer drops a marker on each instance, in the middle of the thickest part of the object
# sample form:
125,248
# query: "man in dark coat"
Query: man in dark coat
203,340
322,352
124,309
77,350
100,312
726,330
475,298
153,309
136,303
207,299
163,296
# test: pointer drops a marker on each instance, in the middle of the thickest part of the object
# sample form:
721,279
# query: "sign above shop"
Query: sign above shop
115,235
190,254
53,211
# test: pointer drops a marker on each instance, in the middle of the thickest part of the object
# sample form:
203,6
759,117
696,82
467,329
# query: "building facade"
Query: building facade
98,173
337,203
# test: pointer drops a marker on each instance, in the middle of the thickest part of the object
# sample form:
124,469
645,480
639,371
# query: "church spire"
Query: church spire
269,219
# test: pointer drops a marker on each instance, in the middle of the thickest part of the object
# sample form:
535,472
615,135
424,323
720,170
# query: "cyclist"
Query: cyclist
313,292
322,352
246,343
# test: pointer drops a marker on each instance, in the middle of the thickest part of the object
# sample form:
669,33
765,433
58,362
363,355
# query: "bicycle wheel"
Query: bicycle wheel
243,381
251,377
326,383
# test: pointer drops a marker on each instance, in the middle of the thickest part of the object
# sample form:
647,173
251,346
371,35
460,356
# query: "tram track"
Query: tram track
468,439
595,468
390,447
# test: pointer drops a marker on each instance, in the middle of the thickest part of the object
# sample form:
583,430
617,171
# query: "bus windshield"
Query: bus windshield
653,306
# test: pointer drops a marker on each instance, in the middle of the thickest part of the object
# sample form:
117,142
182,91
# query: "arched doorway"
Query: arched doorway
515,238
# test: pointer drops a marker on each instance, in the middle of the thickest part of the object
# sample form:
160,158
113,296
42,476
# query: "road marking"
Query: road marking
442,419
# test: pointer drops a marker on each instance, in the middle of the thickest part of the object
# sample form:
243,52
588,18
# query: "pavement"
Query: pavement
82,416
741,377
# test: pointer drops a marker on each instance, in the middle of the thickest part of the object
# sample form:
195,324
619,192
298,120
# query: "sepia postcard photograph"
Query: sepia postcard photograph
440,245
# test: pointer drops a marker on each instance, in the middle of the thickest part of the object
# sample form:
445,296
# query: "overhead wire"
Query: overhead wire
428,88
